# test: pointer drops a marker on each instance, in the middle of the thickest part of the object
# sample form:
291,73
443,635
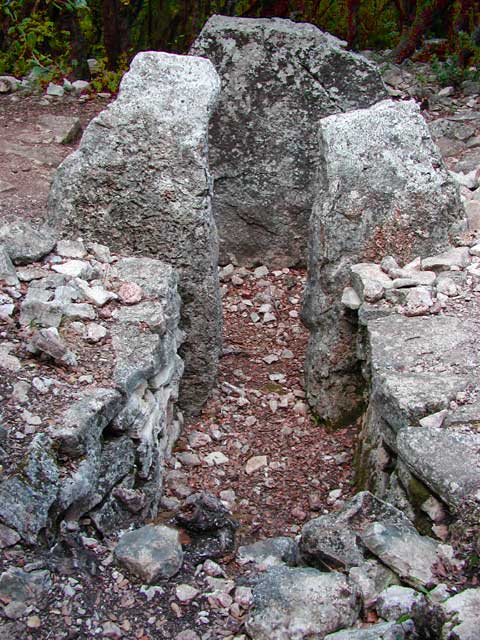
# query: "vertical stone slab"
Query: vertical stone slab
382,189
278,79
140,183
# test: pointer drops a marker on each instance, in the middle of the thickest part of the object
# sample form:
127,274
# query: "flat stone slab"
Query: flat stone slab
446,460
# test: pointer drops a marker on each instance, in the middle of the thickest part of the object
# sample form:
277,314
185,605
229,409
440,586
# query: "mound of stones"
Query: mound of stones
382,188
279,78
90,378
139,182
364,561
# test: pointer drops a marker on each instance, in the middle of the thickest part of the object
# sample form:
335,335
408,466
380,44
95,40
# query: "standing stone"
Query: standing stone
140,183
278,79
382,190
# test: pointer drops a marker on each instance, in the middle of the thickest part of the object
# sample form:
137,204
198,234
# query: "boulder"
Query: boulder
301,604
462,616
279,78
382,189
151,553
269,552
140,183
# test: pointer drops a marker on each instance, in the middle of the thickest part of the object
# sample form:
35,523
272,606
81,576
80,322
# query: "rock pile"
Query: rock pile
139,181
89,347
382,188
279,78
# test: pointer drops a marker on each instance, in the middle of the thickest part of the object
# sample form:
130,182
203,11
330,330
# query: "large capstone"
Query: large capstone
278,79
140,183
382,190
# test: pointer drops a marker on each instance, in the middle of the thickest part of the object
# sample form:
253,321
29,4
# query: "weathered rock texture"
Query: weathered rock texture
140,183
278,79
87,434
382,189
419,443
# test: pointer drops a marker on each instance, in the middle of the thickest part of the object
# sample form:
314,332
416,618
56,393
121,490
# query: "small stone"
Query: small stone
75,269
435,419
34,622
211,568
260,272
188,459
130,293
79,86
55,90
95,332
447,286
20,392
8,537
7,270
71,248
198,439
49,341
216,458
350,299
111,630
185,592
151,552
271,358
14,610
255,464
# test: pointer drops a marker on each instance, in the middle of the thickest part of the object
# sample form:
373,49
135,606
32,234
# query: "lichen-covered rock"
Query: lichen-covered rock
27,496
382,190
139,182
278,79
462,616
25,243
152,553
301,604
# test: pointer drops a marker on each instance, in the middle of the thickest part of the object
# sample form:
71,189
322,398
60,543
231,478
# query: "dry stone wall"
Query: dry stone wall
279,78
419,341
140,182
90,378
382,188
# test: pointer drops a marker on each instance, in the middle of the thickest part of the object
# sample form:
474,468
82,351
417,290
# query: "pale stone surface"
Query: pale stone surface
301,604
139,182
278,79
270,552
397,601
462,613
151,552
25,243
382,190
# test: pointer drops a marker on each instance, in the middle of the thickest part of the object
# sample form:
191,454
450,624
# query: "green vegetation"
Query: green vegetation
54,38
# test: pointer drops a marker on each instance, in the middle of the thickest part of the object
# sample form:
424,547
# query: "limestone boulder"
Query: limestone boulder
382,189
301,604
279,78
140,183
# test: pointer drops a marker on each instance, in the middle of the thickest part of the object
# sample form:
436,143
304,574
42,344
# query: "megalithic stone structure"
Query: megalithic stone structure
140,183
279,78
382,189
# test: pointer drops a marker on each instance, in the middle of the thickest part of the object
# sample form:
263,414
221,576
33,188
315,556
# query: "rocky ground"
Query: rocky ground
255,446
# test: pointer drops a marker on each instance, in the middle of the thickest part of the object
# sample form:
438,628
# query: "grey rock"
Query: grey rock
81,425
63,129
28,587
48,341
278,79
71,249
152,553
8,537
401,548
27,496
153,138
382,631
382,190
7,270
332,541
455,257
372,578
270,552
9,84
462,616
24,243
55,90
301,604
446,460
397,602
